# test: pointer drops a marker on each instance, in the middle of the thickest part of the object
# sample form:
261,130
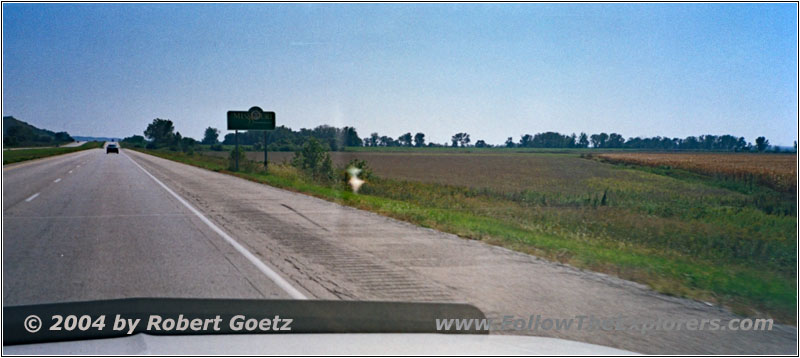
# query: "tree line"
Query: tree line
707,142
161,133
286,139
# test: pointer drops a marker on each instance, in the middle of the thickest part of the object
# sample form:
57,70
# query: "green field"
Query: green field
19,155
680,232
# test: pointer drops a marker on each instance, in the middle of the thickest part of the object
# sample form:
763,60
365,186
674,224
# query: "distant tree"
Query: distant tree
229,139
374,139
211,136
461,139
548,140
741,144
615,141
351,138
690,143
707,141
334,145
510,142
419,140
583,141
405,140
480,144
761,144
795,146
160,131
387,141
176,141
136,141
526,141
599,140
187,144
63,137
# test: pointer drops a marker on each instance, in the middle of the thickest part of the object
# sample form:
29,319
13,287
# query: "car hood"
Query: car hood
320,344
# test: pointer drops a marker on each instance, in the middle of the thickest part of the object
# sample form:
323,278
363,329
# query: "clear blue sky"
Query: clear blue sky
492,70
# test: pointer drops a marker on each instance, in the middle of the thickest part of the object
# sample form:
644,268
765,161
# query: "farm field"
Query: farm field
507,172
777,171
716,238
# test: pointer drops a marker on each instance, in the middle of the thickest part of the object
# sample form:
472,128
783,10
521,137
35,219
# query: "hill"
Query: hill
17,133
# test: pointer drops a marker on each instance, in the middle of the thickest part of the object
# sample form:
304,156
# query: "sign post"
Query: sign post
236,156
265,151
252,119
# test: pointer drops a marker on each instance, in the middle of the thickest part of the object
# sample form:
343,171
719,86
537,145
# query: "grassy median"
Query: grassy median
19,155
691,237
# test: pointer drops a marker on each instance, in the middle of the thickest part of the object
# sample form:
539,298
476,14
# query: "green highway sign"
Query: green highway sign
252,119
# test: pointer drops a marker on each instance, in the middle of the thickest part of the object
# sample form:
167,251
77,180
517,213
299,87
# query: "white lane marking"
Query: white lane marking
70,172
57,180
32,197
274,276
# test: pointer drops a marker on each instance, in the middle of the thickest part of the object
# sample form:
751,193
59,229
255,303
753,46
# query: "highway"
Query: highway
90,225
93,226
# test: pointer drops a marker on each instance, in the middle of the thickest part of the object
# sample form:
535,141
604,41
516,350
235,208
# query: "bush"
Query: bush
216,147
232,158
315,161
187,145
282,147
365,174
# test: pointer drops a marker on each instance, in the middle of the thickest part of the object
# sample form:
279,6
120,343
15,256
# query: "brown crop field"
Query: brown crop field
567,174
776,171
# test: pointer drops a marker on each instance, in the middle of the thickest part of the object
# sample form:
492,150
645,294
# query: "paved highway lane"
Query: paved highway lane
110,230
97,226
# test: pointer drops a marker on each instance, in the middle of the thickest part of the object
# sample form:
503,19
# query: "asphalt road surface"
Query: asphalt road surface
91,225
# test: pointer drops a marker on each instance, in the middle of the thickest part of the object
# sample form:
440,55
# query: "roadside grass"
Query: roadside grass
14,156
685,236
